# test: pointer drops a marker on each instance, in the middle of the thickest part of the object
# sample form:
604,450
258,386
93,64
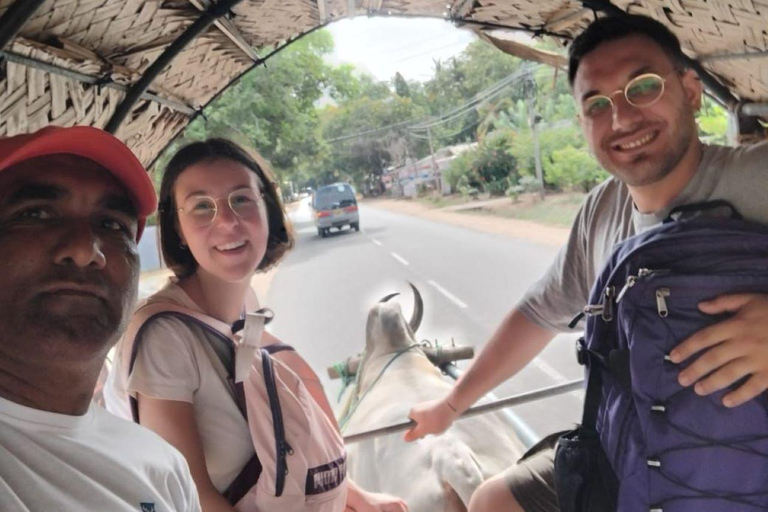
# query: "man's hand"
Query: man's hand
364,501
432,417
733,349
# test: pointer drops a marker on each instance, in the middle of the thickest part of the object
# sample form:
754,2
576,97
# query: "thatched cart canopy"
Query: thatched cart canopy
143,68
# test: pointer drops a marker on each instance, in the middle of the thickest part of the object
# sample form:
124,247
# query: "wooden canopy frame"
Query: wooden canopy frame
144,69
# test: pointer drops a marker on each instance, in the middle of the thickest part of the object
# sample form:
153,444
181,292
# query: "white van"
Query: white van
335,207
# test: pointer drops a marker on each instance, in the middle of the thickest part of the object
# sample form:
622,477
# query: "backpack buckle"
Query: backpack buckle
581,352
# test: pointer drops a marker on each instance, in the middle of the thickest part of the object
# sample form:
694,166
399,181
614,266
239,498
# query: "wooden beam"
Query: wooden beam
15,17
215,12
747,123
732,56
229,29
92,80
565,22
321,10
754,109
235,80
436,355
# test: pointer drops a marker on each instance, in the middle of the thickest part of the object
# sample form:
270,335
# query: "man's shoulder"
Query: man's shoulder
609,196
610,188
135,440
737,158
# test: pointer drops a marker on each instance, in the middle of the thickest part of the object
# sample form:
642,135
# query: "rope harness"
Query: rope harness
343,421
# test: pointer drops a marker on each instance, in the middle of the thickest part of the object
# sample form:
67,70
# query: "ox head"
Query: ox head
387,329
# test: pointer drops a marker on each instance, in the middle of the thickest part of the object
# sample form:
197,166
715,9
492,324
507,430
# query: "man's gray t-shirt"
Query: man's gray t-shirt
737,175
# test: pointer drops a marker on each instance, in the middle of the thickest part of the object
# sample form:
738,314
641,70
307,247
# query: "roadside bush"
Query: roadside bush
461,170
529,184
494,160
552,138
513,192
497,188
575,168
466,189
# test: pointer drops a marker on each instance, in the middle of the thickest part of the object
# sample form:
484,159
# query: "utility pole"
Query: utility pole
434,163
530,90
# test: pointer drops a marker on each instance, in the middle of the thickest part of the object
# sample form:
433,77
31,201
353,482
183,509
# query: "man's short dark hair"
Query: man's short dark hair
611,28
179,258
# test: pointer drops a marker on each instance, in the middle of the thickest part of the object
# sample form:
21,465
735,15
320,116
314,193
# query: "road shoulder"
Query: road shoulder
535,232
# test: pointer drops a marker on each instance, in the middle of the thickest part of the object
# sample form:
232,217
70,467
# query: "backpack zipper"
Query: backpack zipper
661,302
604,309
641,274
281,444
631,280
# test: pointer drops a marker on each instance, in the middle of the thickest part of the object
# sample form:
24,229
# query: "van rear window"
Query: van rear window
334,197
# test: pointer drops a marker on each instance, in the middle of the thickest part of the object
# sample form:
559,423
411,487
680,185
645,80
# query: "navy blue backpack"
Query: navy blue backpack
645,442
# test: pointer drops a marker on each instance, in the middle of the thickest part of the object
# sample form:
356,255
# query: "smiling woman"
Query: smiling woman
221,220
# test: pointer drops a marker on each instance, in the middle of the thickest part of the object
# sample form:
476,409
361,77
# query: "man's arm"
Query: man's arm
514,344
175,422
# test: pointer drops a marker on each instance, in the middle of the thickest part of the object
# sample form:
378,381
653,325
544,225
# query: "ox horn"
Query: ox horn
418,309
387,297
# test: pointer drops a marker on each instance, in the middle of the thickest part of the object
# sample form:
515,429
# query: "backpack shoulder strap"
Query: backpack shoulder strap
221,361
595,363
223,366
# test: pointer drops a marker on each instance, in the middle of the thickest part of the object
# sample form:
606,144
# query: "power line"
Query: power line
369,132
479,98
427,52
462,130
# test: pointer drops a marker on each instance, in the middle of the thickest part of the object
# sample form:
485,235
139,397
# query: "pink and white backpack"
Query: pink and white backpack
300,461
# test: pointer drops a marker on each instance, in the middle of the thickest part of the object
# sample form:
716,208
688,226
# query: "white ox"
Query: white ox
438,473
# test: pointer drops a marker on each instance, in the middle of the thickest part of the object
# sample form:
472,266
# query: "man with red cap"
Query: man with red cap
73,204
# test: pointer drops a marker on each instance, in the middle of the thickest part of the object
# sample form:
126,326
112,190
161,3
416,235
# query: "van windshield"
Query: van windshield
334,197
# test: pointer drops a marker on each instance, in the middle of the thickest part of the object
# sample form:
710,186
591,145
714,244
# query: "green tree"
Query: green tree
462,170
274,107
401,86
712,120
494,161
359,155
572,167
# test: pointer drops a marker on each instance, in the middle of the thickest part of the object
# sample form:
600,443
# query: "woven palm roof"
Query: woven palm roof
72,61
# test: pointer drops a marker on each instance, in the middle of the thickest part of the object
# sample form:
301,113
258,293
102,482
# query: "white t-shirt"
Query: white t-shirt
95,462
171,364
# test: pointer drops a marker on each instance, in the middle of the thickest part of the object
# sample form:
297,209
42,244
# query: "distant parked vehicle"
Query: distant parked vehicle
335,207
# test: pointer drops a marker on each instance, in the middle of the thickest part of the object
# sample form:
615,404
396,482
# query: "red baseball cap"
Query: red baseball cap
93,144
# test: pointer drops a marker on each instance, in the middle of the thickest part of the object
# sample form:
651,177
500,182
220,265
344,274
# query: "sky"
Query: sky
383,46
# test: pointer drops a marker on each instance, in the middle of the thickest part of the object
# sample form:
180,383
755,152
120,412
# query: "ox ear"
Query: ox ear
418,309
387,297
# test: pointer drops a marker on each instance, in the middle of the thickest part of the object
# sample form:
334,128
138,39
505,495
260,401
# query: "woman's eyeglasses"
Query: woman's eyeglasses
202,210
642,91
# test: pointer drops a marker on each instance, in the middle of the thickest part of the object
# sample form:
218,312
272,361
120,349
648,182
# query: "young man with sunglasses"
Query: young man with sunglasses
637,101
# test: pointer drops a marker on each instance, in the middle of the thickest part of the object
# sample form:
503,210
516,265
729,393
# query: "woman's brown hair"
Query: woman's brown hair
178,257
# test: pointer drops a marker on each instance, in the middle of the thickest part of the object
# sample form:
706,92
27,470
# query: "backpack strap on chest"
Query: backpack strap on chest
222,358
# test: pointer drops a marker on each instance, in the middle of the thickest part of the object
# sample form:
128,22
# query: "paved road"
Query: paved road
469,281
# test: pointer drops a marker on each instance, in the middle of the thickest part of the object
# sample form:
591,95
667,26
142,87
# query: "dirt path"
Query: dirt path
515,228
